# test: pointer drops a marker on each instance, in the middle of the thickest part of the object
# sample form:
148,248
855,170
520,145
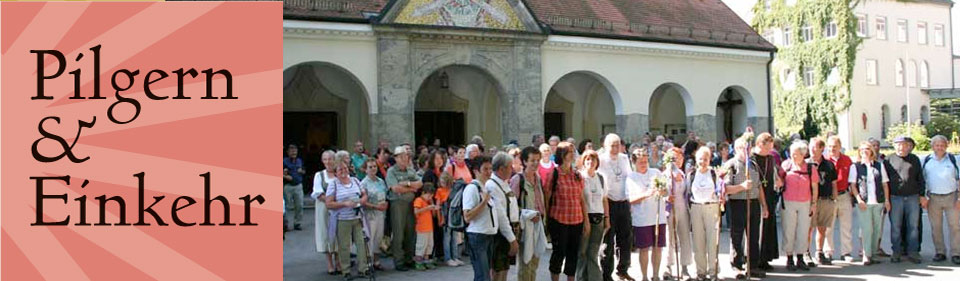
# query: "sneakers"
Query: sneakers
452,263
848,258
939,258
895,258
459,262
420,267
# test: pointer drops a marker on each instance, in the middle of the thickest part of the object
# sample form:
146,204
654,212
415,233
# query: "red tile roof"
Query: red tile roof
700,22
697,22
332,10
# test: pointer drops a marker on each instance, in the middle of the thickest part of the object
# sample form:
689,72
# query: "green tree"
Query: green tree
821,54
942,124
916,131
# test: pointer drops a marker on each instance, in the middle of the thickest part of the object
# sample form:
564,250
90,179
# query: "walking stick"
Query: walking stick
748,137
673,215
716,259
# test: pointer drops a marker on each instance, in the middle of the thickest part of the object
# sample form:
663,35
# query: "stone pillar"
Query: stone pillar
631,127
759,124
705,125
522,113
394,122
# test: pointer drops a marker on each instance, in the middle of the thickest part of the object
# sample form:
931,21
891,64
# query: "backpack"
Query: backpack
445,206
949,156
454,207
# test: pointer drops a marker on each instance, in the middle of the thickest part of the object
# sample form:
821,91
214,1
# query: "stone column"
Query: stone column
631,127
705,125
522,114
394,122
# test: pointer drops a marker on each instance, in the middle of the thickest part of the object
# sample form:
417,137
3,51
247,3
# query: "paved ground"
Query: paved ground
301,262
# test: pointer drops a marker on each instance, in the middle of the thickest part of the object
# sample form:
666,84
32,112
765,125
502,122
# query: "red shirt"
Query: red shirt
567,199
546,175
842,165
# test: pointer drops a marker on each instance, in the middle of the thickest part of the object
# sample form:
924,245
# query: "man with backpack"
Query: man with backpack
942,183
906,184
484,221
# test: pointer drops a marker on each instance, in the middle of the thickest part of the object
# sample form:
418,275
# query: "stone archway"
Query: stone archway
325,106
581,105
670,107
735,107
456,102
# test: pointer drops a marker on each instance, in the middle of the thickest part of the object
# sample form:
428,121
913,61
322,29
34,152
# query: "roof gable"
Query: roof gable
481,14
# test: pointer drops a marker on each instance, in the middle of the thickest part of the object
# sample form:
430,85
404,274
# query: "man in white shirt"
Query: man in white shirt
504,202
614,167
485,220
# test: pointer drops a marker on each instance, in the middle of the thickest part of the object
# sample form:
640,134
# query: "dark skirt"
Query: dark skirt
769,246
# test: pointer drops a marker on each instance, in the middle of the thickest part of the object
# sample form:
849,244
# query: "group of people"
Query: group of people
595,207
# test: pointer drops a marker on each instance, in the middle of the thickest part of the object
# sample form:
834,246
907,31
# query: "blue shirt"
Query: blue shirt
941,175
293,168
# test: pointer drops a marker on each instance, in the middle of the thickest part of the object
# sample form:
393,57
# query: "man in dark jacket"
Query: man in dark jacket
906,187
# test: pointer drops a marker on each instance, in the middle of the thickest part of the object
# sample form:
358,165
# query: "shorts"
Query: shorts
499,259
825,213
424,244
643,236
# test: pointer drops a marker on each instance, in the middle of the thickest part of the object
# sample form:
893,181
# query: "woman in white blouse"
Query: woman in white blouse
598,215
869,180
704,192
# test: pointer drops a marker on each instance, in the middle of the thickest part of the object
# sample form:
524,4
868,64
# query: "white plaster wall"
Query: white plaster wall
352,47
635,74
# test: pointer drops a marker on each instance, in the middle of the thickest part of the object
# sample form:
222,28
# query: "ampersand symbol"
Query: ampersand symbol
67,149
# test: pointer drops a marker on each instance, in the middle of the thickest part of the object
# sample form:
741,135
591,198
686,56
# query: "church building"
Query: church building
412,71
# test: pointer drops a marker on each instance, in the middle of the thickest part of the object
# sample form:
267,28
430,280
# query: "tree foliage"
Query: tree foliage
811,109
916,131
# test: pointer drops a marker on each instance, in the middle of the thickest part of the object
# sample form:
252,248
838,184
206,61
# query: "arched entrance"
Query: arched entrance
324,106
670,105
455,102
580,105
734,106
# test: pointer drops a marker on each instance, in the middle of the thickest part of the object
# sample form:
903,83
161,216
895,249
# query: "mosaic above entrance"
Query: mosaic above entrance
493,14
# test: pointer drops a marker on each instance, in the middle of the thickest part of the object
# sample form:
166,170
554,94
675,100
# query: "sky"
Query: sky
743,9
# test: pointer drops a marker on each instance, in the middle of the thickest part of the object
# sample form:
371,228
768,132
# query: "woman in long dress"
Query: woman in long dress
321,180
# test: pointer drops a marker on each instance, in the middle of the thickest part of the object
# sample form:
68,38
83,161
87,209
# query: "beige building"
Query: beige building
907,48
419,70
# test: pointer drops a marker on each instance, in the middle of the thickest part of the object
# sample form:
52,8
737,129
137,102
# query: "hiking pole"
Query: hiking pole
748,136
657,182
673,215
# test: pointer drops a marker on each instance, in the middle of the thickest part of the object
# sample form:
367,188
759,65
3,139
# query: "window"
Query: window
912,73
768,35
881,28
830,31
938,34
884,120
902,31
924,115
808,76
922,33
862,25
899,73
871,72
786,36
807,33
924,74
787,79
903,114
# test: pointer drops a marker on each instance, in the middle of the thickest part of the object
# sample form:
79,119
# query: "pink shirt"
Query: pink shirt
546,176
797,182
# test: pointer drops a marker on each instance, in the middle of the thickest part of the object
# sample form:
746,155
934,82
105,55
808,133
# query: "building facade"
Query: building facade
419,70
900,49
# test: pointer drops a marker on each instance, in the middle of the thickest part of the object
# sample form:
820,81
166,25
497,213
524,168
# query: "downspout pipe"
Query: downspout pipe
770,96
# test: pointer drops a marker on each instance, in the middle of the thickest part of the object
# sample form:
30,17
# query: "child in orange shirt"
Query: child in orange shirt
423,210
